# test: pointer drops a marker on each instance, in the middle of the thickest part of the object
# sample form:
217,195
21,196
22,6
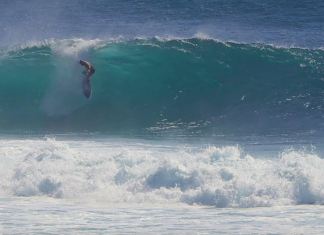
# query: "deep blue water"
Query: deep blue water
285,22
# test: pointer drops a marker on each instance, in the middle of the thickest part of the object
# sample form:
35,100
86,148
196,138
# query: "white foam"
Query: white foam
135,172
69,47
202,35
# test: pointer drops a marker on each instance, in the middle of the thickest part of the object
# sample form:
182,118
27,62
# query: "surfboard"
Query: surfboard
86,87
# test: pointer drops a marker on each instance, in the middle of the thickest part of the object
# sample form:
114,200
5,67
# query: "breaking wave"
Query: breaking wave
196,85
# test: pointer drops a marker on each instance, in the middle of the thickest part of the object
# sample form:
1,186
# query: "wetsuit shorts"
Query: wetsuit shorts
92,71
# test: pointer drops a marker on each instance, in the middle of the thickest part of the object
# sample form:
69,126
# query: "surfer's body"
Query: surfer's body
89,69
86,84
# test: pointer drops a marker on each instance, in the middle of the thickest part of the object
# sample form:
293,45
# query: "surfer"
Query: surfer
86,84
89,69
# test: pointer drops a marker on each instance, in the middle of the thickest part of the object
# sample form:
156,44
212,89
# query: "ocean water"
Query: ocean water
205,117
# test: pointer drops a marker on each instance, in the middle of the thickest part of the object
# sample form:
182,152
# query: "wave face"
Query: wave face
196,85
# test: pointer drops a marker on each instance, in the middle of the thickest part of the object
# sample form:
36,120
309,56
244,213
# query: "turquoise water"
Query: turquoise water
151,84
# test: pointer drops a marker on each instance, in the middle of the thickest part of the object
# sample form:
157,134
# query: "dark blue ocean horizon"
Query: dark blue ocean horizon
286,23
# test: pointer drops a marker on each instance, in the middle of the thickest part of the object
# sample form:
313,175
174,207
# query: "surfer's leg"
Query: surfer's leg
85,72
92,70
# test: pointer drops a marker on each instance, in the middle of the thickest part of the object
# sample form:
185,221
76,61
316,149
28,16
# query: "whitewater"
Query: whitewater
117,185
205,117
